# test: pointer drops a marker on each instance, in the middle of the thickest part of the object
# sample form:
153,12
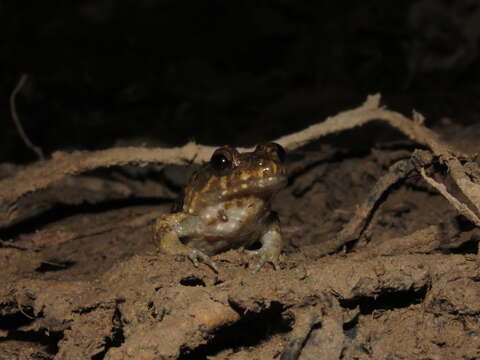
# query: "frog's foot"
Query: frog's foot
266,255
195,255
271,249
168,242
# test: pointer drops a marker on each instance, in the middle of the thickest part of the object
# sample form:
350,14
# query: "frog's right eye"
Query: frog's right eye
221,160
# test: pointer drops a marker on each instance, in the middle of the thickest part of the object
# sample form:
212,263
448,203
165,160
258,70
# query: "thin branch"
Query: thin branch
40,176
461,208
13,110
353,229
368,112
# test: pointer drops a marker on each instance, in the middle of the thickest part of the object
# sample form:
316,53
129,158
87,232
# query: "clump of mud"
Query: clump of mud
86,282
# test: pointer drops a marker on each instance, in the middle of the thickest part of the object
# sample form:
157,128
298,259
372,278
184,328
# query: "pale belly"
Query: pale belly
225,226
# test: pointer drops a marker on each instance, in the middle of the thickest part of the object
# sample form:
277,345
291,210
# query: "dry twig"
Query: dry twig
353,229
461,207
13,110
41,175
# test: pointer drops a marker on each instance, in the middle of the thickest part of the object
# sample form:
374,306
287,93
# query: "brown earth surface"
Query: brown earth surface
86,282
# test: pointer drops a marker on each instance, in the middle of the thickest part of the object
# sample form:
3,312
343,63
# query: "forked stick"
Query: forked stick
42,174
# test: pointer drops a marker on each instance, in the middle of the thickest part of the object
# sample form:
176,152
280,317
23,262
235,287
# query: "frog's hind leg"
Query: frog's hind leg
272,244
167,231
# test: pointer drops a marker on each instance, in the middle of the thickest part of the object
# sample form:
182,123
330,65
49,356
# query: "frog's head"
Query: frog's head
231,174
260,172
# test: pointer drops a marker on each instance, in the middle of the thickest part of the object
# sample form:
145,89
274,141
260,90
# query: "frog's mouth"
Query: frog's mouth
257,186
269,183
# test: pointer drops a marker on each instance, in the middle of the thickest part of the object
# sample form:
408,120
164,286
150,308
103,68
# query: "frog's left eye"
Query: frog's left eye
279,150
221,160
273,148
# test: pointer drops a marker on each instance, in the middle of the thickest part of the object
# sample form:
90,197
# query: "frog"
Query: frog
226,204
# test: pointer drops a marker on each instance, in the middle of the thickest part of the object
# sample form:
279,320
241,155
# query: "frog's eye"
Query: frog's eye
221,160
280,151
273,148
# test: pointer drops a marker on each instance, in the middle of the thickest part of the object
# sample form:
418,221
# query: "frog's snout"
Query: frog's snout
270,168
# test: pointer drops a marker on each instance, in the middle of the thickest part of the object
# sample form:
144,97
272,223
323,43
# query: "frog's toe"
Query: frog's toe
196,255
266,255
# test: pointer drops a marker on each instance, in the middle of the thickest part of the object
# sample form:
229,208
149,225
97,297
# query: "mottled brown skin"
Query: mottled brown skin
227,205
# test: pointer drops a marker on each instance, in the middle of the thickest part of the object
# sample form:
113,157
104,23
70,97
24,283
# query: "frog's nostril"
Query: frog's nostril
267,171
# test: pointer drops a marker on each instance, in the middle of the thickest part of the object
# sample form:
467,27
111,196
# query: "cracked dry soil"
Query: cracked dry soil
108,294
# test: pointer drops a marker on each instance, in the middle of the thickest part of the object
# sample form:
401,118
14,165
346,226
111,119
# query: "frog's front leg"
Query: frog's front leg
272,244
167,232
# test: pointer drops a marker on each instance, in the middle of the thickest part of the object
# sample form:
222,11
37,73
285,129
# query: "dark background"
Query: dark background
104,72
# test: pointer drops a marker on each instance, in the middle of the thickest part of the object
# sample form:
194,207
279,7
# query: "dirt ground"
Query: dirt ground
86,282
